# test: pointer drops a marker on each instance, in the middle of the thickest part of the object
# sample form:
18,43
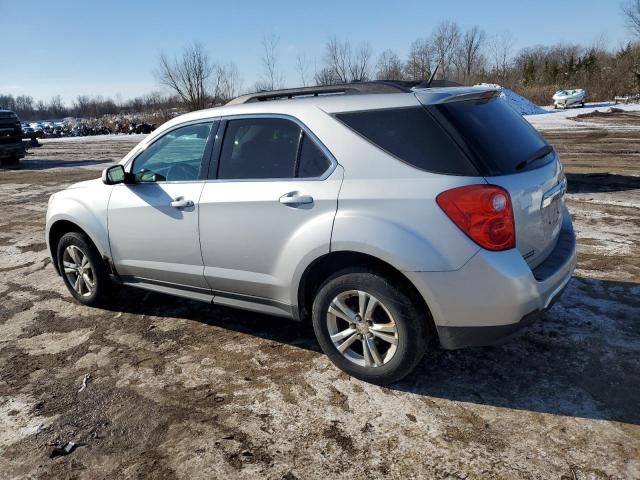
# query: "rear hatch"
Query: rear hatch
507,151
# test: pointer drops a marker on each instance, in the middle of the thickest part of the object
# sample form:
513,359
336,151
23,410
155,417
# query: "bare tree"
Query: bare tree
272,77
226,82
631,12
445,39
337,58
56,106
469,54
326,76
360,63
187,75
348,65
389,66
302,65
418,65
500,46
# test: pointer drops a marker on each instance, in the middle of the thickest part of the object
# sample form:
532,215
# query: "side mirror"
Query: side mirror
114,175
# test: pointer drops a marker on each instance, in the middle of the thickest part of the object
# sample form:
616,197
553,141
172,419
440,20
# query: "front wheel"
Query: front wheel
82,269
369,328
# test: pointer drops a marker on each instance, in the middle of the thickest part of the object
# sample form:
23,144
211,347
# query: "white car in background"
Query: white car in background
569,98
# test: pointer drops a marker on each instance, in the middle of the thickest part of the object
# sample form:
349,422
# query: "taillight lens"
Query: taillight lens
483,212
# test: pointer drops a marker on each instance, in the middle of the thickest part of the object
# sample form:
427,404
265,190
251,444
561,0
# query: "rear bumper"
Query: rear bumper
495,294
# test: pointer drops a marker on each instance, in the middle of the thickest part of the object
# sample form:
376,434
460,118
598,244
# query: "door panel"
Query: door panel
151,239
254,234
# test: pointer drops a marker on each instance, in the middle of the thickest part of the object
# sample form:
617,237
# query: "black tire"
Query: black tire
99,294
8,161
411,325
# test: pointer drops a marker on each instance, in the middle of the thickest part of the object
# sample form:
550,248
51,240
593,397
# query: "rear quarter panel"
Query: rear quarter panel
388,208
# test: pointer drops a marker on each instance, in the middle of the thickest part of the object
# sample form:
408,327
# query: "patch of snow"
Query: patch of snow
563,119
603,198
16,420
519,103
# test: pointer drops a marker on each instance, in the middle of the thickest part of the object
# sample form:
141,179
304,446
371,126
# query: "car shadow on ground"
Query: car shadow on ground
44,164
601,182
580,359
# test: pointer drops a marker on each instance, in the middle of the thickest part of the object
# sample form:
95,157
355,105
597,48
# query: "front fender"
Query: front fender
88,212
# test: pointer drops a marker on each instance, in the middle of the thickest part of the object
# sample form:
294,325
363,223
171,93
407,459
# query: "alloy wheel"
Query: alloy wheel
78,271
362,328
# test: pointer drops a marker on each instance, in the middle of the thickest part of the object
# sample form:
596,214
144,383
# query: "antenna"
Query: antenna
433,75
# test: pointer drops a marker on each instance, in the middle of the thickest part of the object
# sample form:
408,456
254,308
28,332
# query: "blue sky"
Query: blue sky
111,47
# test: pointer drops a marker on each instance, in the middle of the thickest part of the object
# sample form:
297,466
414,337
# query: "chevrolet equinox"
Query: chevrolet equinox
391,221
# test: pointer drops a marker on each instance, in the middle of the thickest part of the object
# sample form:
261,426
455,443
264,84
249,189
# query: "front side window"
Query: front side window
262,148
176,156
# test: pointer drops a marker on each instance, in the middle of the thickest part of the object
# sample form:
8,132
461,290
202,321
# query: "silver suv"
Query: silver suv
391,221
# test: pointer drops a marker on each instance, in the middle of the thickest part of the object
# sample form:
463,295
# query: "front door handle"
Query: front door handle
180,202
294,198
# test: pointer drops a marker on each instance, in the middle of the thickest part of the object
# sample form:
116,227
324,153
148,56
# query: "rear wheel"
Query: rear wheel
368,328
82,269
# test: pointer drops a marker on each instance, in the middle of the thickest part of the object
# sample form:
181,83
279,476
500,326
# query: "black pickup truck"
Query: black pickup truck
11,147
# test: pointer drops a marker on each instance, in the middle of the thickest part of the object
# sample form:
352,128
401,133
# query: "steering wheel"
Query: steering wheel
181,171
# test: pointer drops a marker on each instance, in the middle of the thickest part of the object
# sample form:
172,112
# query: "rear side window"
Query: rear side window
260,148
413,136
313,162
498,139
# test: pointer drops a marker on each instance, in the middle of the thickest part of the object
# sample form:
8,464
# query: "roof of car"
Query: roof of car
338,102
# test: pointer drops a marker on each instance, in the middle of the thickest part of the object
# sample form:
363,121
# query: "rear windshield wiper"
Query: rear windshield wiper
537,155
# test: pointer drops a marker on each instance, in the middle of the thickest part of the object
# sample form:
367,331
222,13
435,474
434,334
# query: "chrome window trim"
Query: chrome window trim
307,131
297,121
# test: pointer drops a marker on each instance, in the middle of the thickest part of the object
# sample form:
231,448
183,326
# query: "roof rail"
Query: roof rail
377,86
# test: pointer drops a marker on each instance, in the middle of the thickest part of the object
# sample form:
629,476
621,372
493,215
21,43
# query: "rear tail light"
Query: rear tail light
483,213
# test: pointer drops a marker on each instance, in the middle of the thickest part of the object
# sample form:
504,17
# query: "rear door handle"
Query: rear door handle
180,202
293,198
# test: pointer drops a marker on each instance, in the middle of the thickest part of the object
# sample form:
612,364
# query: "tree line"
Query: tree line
466,56
85,106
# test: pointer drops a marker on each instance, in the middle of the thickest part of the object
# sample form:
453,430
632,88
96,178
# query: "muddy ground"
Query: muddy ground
178,389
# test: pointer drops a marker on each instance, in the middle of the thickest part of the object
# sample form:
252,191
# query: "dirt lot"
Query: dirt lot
178,389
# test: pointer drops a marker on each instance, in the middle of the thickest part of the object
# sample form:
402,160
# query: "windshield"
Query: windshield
496,137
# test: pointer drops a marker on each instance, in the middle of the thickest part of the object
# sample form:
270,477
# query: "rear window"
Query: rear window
413,136
495,136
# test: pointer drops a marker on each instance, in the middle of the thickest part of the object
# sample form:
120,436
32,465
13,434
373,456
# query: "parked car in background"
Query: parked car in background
391,221
11,147
569,98
38,128
28,132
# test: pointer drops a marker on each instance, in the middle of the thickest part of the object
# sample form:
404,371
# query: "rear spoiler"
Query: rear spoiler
438,96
